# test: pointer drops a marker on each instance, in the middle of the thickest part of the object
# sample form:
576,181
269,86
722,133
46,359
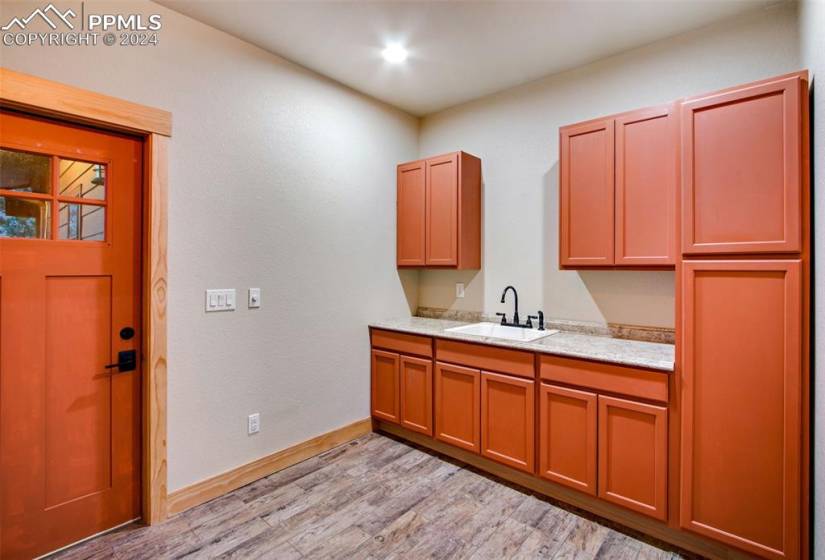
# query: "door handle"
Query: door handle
126,361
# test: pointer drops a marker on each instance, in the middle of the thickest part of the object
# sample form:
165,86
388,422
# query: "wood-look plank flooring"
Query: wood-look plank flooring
374,497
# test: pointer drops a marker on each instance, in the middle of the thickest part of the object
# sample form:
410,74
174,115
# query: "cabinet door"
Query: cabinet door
633,455
385,386
442,210
645,187
507,420
741,410
741,170
457,414
567,437
411,216
417,394
586,194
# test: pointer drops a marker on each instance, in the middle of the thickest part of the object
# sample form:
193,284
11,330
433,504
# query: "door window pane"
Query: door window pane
20,217
24,172
81,222
81,179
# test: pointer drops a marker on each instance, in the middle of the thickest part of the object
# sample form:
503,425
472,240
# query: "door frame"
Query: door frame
41,97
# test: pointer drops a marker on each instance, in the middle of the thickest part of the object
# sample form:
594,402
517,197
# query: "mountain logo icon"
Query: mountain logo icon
43,14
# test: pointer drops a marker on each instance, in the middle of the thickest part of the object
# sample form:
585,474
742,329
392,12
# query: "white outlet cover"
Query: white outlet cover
253,423
459,289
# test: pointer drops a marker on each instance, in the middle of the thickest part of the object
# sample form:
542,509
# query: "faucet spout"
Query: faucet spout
515,297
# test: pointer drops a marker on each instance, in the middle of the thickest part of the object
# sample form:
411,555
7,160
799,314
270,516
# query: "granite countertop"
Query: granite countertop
651,355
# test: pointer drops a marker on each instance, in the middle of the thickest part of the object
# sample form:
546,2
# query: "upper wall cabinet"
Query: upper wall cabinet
439,212
741,170
617,189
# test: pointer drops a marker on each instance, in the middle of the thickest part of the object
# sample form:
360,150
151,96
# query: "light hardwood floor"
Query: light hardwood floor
374,497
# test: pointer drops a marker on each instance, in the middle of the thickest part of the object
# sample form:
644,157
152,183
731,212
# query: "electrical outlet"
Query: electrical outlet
253,423
459,289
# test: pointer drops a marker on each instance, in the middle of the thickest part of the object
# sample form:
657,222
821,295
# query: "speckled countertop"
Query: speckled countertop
649,355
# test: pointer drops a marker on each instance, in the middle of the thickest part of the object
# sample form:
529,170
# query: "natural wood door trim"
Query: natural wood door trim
205,490
154,332
47,98
54,99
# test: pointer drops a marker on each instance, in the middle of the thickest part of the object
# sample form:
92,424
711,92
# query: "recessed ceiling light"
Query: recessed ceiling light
395,53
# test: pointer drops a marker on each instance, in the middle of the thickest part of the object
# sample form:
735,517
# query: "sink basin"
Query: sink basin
493,330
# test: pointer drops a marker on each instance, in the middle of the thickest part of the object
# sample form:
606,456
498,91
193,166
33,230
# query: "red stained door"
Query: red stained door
442,210
645,187
742,411
417,394
742,170
567,437
69,282
385,390
457,406
587,195
411,212
633,455
507,420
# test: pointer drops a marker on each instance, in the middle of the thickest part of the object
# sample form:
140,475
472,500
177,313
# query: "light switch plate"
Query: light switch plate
254,298
459,289
220,300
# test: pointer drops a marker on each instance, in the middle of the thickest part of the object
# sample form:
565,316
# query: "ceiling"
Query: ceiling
458,50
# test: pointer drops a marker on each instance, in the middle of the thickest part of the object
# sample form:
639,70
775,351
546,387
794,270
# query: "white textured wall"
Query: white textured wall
279,179
516,135
812,36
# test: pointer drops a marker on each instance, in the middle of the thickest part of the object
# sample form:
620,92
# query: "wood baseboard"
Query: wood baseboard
616,514
205,490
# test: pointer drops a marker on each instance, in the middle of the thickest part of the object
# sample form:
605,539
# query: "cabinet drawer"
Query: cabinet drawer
611,378
490,358
402,342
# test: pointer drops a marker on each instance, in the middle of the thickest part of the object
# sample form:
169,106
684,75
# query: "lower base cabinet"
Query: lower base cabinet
567,436
384,393
416,381
633,455
457,406
507,420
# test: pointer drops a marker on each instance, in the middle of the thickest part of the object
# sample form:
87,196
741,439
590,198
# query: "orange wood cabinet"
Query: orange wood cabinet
617,190
416,380
742,169
507,420
457,406
567,437
741,456
439,212
646,175
385,386
411,215
633,455
587,193
402,385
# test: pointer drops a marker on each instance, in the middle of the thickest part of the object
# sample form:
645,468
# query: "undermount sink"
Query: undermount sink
493,330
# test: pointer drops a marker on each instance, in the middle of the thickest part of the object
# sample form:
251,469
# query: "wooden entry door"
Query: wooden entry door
70,238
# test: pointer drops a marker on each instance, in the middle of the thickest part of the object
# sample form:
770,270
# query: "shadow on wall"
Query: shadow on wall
631,297
436,287
409,283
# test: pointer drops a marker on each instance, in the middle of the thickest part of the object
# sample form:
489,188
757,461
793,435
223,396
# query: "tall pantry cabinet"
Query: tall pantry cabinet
743,297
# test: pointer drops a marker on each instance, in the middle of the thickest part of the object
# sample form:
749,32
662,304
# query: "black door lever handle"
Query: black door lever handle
126,361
